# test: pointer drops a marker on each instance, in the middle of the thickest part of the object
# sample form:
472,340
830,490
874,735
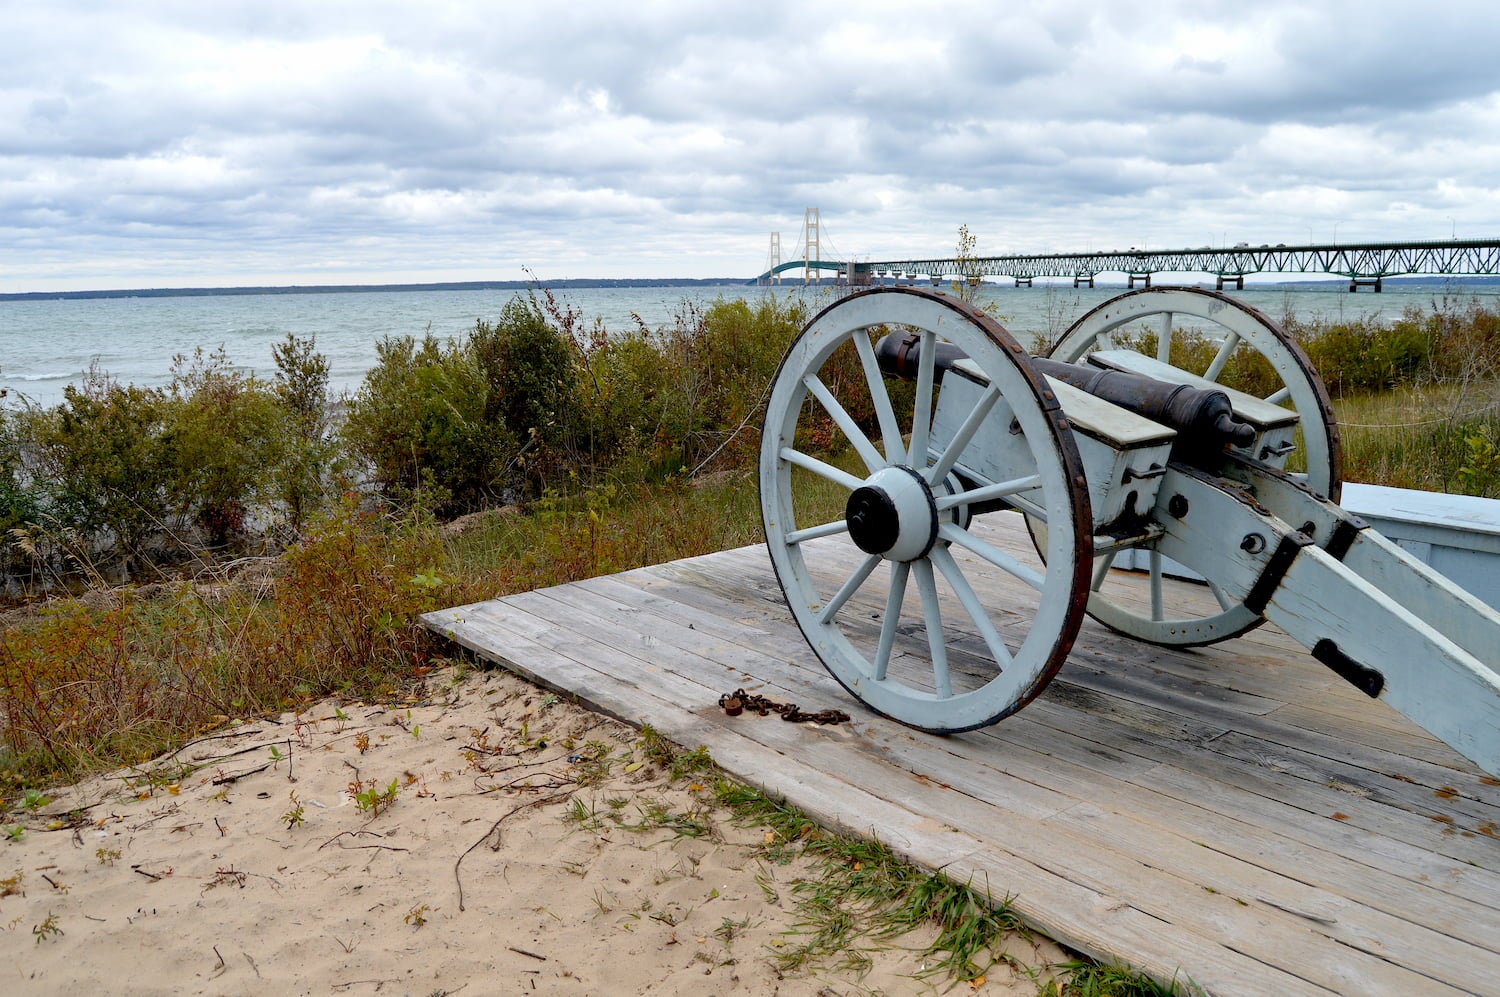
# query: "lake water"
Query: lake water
46,344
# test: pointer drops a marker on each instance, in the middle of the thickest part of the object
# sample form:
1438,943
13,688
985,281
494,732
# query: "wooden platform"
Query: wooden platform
1235,816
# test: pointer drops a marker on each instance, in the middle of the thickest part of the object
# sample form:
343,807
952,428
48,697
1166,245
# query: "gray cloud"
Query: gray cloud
233,143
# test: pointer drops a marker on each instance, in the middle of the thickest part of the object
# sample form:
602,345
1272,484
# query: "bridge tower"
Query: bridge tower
812,252
773,258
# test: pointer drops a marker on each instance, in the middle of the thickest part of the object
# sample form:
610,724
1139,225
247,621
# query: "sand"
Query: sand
207,883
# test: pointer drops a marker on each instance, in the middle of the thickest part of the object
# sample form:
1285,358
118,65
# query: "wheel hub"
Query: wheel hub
893,514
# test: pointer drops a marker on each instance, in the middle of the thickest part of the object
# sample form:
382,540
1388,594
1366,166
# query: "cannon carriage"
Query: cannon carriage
1109,454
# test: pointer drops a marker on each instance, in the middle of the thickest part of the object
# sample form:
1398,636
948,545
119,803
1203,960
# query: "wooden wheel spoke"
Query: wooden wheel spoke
987,492
966,597
965,434
861,443
1216,367
1224,601
921,416
885,413
932,617
821,468
1101,570
992,554
1154,558
814,532
850,586
893,599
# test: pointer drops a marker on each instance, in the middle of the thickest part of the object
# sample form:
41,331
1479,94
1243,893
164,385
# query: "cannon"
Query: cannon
901,420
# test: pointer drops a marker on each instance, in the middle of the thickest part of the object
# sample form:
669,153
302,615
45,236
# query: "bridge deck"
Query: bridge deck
1235,815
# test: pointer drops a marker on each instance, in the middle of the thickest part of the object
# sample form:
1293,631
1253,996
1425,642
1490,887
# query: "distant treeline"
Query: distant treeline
458,285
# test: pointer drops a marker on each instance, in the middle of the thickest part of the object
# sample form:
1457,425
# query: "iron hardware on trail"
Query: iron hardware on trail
1113,458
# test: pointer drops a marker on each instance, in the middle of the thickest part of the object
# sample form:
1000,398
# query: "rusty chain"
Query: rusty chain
740,701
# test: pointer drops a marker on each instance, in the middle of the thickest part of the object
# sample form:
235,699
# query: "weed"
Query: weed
14,832
107,856
695,762
34,799
417,916
578,812
295,814
47,929
657,815
864,891
592,765
362,742
368,799
729,929
1087,979
11,885
655,747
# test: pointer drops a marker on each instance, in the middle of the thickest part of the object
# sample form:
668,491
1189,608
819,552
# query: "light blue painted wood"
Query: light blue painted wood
1457,535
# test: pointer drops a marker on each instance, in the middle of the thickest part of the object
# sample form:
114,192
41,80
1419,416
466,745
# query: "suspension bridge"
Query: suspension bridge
1365,264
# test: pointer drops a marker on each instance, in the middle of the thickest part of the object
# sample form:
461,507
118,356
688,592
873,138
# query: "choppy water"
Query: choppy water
45,345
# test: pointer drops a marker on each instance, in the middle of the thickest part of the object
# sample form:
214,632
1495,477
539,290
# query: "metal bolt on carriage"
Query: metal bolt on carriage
1106,453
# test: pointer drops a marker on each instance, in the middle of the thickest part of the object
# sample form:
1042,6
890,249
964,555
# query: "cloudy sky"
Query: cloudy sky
184,143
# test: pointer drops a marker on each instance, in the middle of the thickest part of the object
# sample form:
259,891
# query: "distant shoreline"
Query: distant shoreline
461,285
593,282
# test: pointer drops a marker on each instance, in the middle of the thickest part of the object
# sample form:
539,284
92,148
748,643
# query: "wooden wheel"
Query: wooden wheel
1181,624
892,595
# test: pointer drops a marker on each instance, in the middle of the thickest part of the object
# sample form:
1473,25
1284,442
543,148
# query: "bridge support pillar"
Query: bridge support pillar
1355,283
1023,281
1239,282
1079,278
1144,278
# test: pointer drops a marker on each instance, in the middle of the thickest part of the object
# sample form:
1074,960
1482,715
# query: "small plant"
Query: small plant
361,742
368,799
592,765
15,833
296,814
655,747
1087,979
47,929
695,762
107,856
417,916
729,928
35,799
276,756
583,814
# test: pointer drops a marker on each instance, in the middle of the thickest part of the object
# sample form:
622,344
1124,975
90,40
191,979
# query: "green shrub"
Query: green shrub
654,404
101,465
1365,355
309,458
420,423
222,434
529,370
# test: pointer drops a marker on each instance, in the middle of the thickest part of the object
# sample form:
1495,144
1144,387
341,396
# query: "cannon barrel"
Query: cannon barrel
1203,418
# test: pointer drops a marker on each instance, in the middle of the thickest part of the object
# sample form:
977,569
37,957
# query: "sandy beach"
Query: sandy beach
487,838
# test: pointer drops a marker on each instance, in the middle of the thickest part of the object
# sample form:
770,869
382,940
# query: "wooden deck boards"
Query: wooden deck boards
1234,815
